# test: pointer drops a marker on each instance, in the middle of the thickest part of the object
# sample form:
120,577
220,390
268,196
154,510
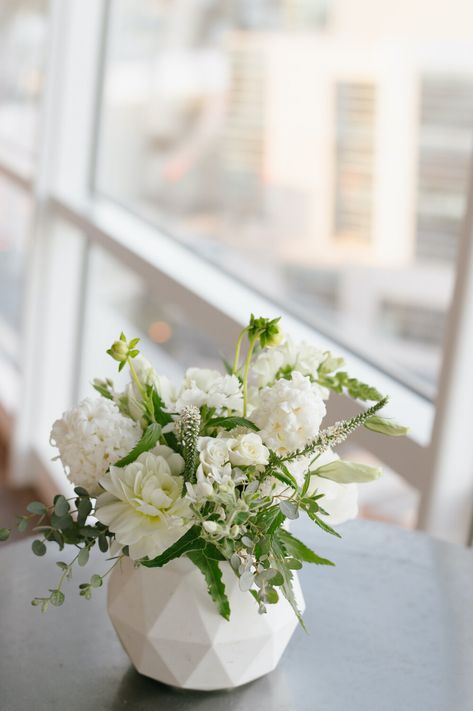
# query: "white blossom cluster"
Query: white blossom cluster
90,438
148,504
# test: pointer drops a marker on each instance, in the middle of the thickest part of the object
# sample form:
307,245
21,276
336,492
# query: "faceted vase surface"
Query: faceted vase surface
172,632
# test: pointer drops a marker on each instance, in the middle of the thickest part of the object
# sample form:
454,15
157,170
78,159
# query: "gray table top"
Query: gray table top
390,628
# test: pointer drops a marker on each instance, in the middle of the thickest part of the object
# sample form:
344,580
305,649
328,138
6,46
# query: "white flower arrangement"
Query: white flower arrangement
210,470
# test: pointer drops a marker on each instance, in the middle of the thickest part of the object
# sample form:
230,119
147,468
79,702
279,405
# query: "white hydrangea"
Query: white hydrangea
301,357
289,413
143,506
90,438
202,386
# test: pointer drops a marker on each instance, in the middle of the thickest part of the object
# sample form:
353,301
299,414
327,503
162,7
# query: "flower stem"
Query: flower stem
236,361
245,373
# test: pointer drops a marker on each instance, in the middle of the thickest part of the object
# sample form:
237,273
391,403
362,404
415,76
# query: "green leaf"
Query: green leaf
62,522
103,390
160,415
348,472
290,509
84,508
22,523
96,581
271,596
83,557
229,423
80,491
37,508
270,519
4,534
38,547
279,555
298,550
213,577
61,506
57,598
190,541
386,427
103,543
285,476
147,442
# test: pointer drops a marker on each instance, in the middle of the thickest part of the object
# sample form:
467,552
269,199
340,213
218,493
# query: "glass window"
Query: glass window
119,300
15,215
317,150
22,47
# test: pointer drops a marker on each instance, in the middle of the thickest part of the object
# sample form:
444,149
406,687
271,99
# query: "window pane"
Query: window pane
318,150
119,300
22,44
15,214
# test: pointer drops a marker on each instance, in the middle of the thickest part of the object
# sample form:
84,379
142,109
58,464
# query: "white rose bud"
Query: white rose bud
247,450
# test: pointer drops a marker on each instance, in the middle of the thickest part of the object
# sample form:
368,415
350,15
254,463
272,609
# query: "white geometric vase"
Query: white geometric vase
172,632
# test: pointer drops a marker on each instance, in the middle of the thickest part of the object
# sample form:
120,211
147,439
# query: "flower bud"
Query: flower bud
275,337
119,351
234,531
210,526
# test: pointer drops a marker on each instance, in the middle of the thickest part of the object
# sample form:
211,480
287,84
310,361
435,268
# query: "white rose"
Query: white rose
213,453
247,450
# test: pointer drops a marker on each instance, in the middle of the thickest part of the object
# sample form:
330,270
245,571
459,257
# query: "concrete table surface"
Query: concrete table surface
390,628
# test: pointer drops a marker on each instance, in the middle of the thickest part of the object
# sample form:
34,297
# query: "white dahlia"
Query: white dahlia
142,505
90,438
289,413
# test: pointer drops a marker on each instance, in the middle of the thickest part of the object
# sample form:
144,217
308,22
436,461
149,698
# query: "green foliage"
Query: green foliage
298,550
104,388
341,382
230,423
290,509
386,427
210,569
4,534
266,330
348,472
61,506
37,508
38,547
56,598
190,541
147,442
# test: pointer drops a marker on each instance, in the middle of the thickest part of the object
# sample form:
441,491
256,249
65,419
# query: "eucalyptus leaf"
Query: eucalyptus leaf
348,472
289,509
61,506
83,557
37,508
38,547
4,534
57,598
